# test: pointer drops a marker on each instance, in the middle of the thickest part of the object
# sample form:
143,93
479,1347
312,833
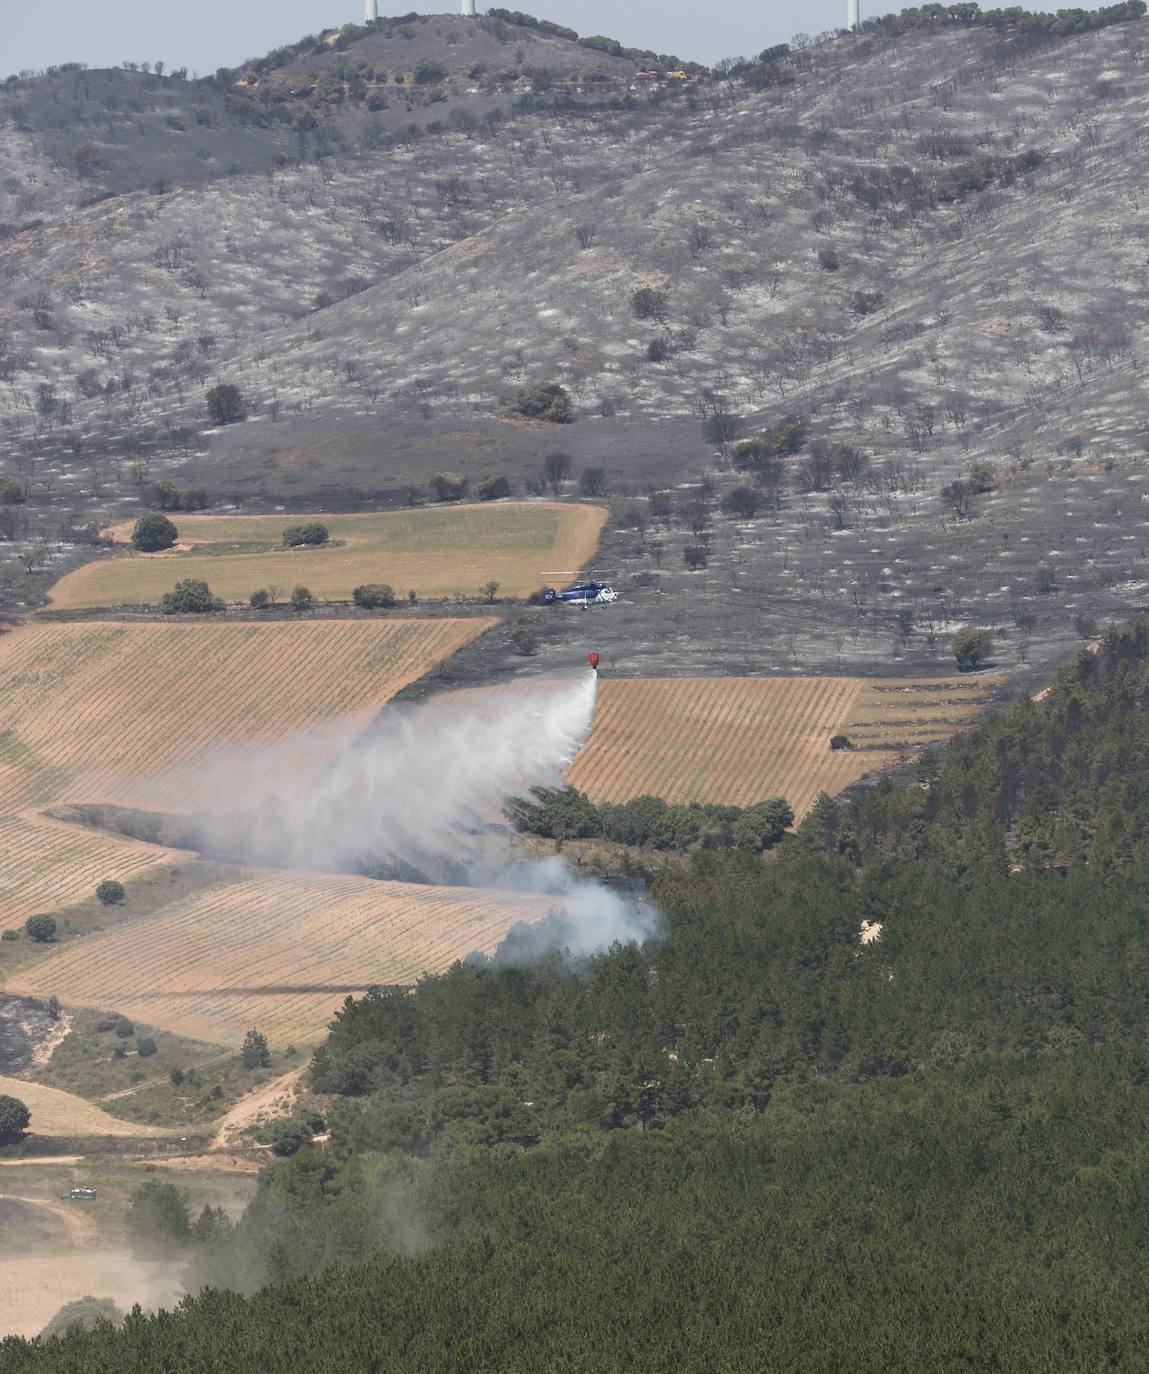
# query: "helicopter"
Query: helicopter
585,591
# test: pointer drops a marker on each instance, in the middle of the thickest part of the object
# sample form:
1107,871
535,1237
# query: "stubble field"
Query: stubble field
279,951
738,740
444,552
93,711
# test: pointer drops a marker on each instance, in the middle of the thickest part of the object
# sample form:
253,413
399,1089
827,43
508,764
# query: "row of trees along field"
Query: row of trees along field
756,1142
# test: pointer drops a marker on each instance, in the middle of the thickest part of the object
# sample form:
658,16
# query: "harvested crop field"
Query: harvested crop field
46,864
280,951
443,552
738,740
92,711
33,1288
55,1112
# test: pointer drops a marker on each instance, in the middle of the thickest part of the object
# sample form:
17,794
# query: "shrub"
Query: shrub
556,470
428,72
542,401
373,595
301,599
695,556
191,596
648,304
11,491
260,600
972,647
145,1047
742,502
525,640
866,302
657,351
14,1117
110,892
592,482
82,1314
493,488
828,260
287,1135
312,533
154,532
42,929
124,1028
224,404
982,477
839,742
489,590
10,933
176,1077
448,486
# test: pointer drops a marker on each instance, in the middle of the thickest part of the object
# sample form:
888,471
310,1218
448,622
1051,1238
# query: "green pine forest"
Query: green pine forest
755,1143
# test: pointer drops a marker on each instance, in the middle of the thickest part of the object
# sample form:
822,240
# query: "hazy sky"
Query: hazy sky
206,34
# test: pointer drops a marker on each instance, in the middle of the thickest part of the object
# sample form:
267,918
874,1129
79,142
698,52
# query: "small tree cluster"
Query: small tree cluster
296,536
373,596
546,401
153,533
191,596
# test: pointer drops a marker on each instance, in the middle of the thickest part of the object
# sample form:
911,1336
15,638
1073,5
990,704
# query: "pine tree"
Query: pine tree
255,1052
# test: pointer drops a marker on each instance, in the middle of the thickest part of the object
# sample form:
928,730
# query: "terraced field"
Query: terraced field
280,952
737,740
93,712
443,552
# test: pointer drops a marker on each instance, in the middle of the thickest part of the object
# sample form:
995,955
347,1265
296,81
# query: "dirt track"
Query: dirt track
272,1099
78,1225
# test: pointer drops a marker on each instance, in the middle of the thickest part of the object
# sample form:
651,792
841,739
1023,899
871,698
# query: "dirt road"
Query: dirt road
78,1224
273,1099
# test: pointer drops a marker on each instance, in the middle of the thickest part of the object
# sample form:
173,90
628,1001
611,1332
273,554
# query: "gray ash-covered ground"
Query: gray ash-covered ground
379,304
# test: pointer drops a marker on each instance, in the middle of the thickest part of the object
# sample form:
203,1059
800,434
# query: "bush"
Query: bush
11,491
124,1028
10,934
260,600
840,742
648,304
542,401
313,533
82,1314
866,302
373,595
14,1117
828,260
287,1135
742,502
224,404
448,486
493,488
972,647
145,1047
525,640
695,556
42,929
154,532
428,72
982,477
301,599
110,892
592,482
191,596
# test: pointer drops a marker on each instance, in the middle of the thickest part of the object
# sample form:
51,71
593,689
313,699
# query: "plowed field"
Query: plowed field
737,740
449,551
92,711
279,952
45,864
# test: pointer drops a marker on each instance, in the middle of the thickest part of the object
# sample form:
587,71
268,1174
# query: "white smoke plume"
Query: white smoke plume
418,796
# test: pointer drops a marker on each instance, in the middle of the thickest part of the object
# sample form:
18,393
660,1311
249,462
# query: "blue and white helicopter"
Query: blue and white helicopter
586,592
